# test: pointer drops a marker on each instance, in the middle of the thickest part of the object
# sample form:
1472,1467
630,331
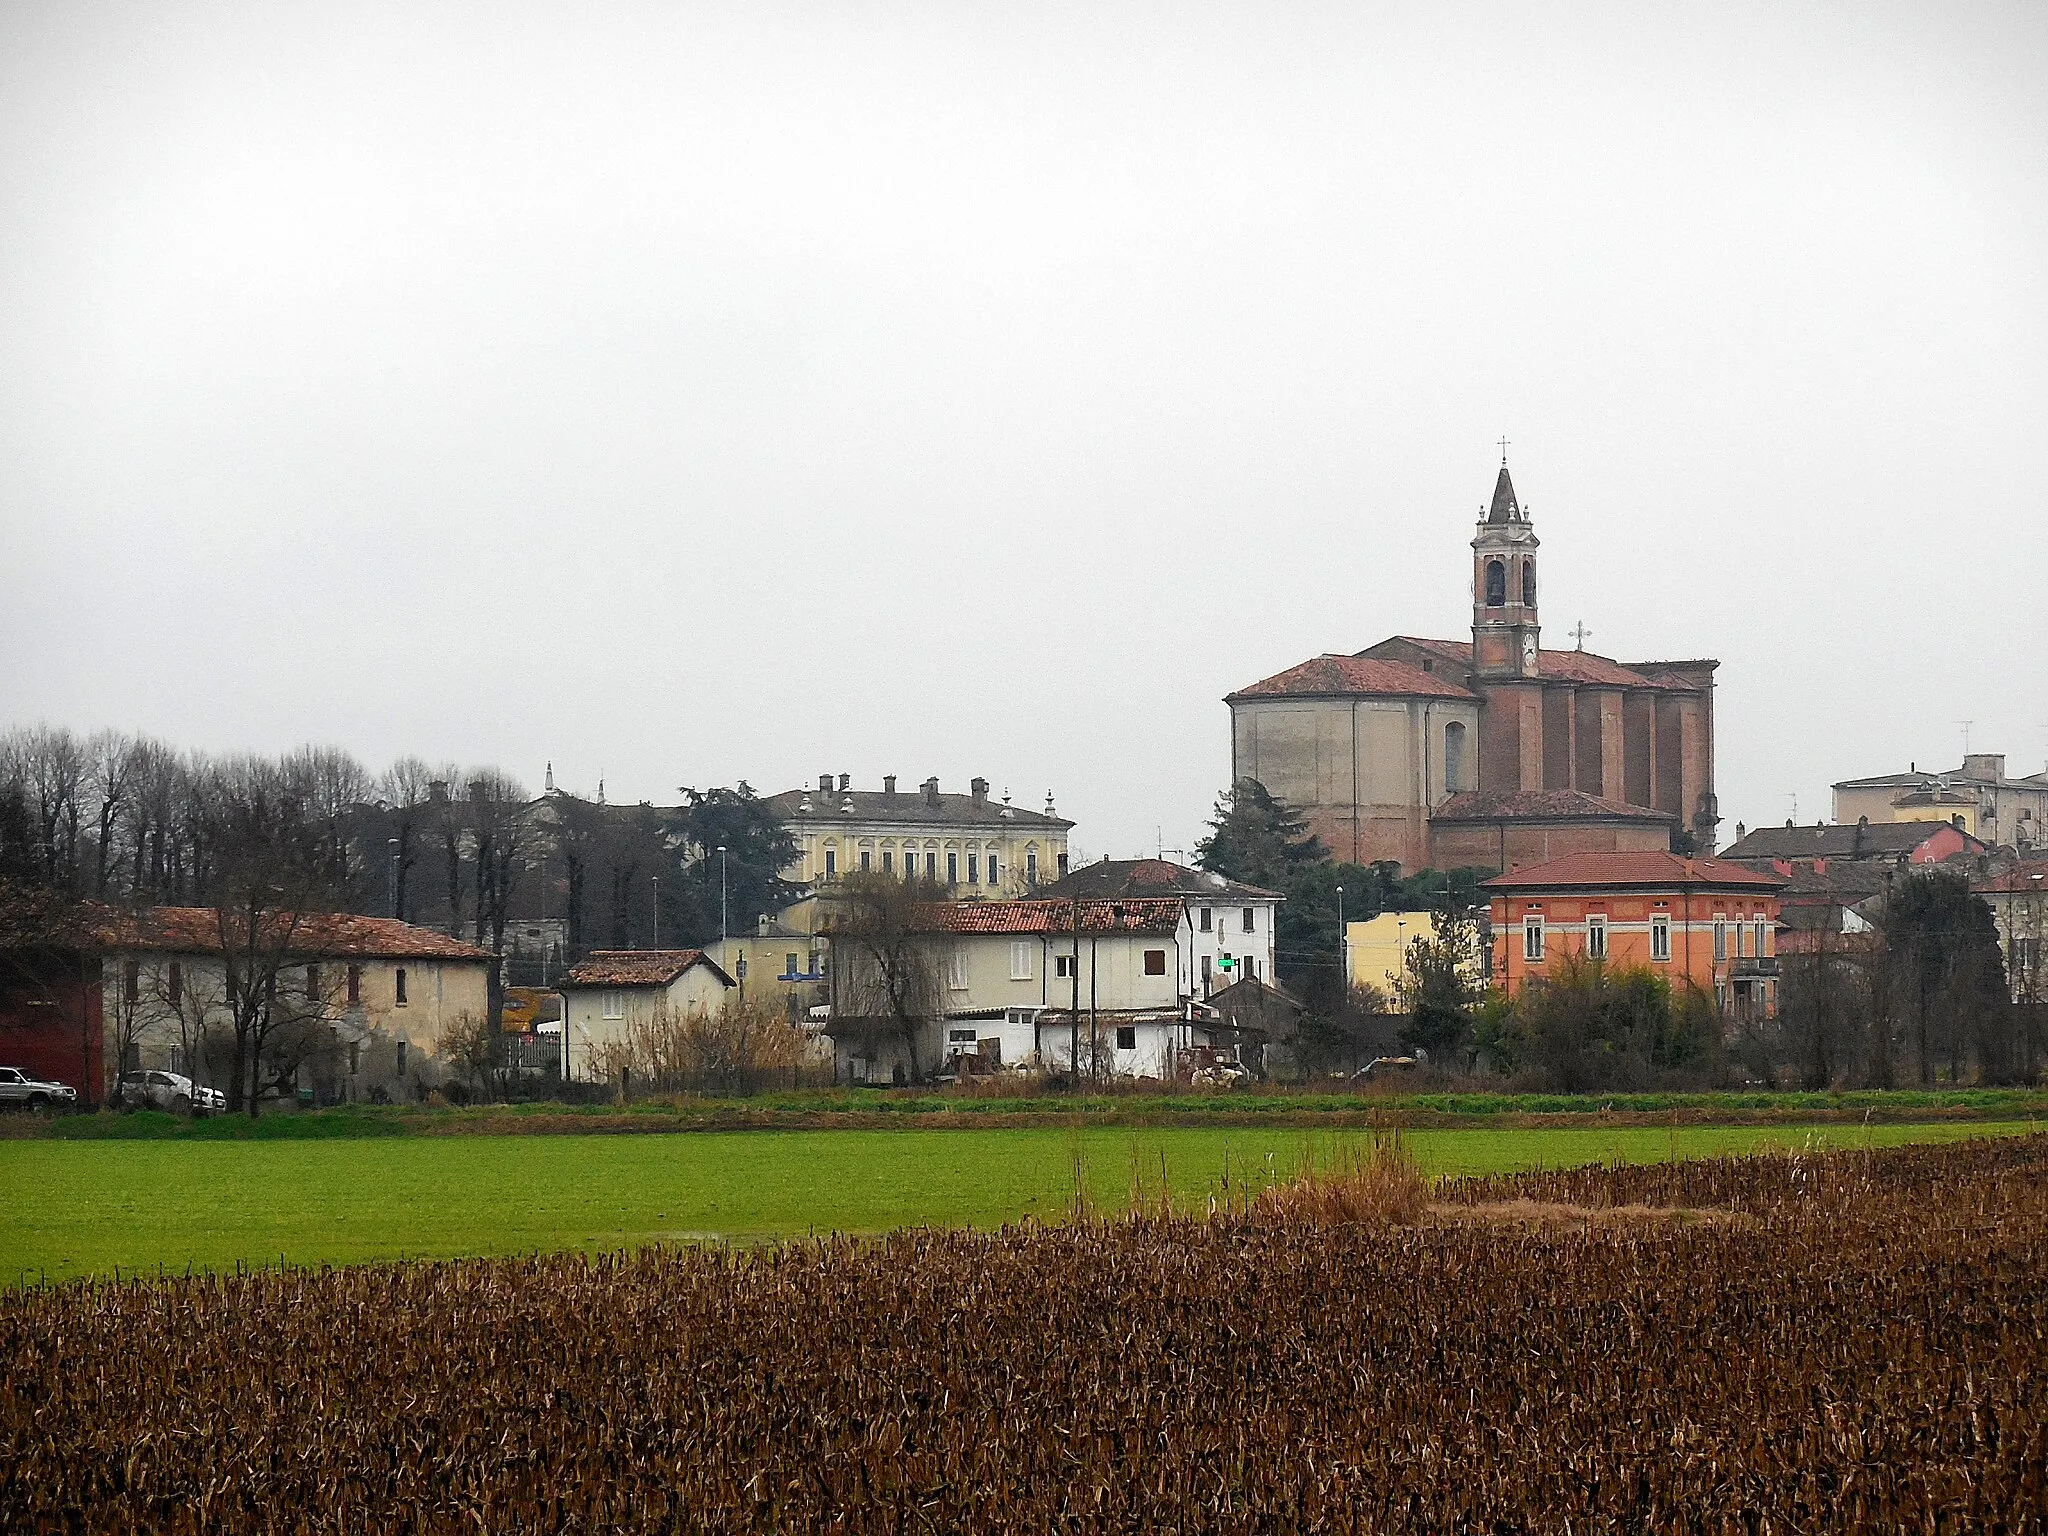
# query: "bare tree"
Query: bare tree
49,765
112,759
405,788
885,962
503,834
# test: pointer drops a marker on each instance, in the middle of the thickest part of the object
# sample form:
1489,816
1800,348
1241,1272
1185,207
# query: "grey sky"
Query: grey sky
689,393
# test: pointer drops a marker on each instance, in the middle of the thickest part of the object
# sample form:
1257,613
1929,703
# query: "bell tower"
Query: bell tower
1505,631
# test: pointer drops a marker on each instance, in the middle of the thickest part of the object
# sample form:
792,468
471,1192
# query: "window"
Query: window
991,869
1251,919
1532,938
1596,938
973,869
355,1057
177,982
313,983
1760,931
1155,962
1660,936
1208,919
401,1058
131,981
888,862
952,869
966,1037
1454,757
831,862
355,983
1020,962
956,970
1496,584
931,866
1031,866
1720,937
1208,970
1127,1037
867,861
613,1005
790,968
1063,967
1741,938
1063,864
1528,583
399,982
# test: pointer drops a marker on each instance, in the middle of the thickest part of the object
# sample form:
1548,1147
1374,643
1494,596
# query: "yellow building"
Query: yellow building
1980,797
970,844
1377,948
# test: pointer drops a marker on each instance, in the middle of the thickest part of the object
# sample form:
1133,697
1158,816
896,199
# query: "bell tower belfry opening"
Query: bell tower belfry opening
1506,634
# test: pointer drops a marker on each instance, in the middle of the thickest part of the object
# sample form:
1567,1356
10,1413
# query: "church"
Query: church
1492,752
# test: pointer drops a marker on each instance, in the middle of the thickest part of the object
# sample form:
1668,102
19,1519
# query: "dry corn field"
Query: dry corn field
1845,1341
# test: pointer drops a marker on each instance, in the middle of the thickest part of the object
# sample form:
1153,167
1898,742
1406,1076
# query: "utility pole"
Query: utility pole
654,925
394,880
723,930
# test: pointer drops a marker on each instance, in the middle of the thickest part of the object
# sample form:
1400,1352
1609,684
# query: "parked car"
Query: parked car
19,1090
171,1091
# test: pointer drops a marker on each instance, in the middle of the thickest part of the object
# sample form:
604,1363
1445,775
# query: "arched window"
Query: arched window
1496,584
1454,757
1528,583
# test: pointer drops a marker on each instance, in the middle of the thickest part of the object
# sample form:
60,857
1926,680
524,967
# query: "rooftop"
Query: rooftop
1333,675
637,967
1542,805
1646,870
1112,878
1854,840
915,807
343,935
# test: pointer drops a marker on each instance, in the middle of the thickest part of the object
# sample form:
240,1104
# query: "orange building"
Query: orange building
1701,921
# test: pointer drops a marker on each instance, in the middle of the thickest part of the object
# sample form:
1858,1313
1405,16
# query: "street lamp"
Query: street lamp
1343,942
722,928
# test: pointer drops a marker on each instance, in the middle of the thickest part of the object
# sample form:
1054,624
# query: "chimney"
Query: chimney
761,926
845,782
1984,766
825,783
888,783
1740,831
931,791
437,790
979,787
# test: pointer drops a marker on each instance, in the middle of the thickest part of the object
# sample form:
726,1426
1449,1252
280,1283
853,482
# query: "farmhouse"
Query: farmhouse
615,991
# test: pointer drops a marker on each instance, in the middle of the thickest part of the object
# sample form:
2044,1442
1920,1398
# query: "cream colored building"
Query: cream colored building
969,844
1376,950
2012,812
606,996
389,993
2019,908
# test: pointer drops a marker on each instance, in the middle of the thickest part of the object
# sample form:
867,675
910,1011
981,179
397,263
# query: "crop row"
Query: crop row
1849,1341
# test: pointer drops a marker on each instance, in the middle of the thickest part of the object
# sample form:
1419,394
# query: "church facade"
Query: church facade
1492,752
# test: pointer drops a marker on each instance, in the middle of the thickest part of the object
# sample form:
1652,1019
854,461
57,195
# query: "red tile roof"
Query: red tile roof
196,930
1343,675
2029,878
1578,870
1582,667
1542,805
1134,914
637,967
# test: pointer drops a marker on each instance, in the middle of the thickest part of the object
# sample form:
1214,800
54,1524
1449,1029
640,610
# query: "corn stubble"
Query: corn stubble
1857,1344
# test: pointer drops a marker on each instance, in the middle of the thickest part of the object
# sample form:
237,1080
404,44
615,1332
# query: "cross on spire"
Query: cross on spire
1579,633
1503,449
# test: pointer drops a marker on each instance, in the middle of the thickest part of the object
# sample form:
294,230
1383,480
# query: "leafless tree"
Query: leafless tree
885,961
405,788
112,759
503,834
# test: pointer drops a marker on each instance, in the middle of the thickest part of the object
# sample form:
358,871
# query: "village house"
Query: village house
970,844
2018,898
1700,922
613,992
1980,797
1105,986
365,1005
1230,926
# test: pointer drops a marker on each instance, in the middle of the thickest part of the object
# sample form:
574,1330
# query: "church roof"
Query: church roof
1505,508
1542,805
1583,667
1328,676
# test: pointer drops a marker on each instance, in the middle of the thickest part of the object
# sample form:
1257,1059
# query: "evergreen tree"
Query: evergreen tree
1258,839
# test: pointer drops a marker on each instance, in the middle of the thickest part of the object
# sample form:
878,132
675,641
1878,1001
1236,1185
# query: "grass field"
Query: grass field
70,1209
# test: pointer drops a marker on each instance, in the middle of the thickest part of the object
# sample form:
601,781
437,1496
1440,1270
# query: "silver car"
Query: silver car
18,1090
171,1091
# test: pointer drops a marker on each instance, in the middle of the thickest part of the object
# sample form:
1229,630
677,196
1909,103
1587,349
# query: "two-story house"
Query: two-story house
1230,925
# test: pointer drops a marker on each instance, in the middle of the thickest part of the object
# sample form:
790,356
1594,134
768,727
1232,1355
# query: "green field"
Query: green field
70,1209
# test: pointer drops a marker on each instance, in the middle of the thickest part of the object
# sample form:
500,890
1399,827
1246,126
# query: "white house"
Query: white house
1230,927
1048,984
605,996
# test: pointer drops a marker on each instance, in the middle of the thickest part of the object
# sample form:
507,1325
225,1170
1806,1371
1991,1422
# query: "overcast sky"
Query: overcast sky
694,393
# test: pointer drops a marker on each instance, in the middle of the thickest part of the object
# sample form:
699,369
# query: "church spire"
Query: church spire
1505,508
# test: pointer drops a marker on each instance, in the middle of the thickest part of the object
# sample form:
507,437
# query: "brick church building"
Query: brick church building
1494,751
